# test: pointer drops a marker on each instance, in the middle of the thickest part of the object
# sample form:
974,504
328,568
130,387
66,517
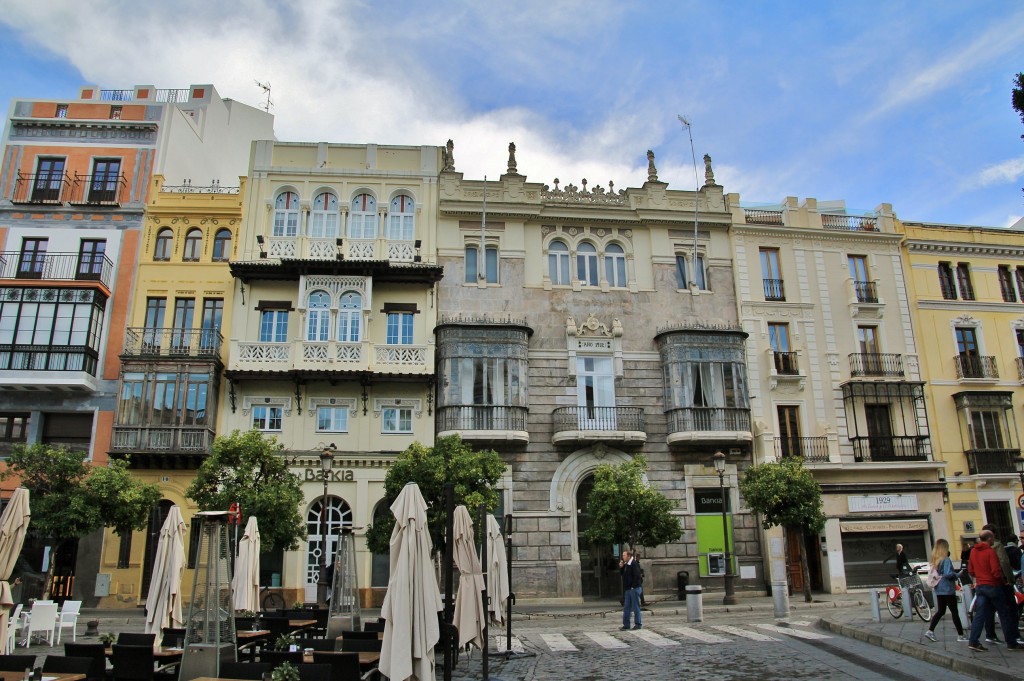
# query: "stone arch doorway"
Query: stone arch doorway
339,515
598,562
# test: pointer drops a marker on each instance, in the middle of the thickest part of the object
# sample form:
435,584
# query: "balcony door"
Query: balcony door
789,430
595,393
91,255
879,422
49,177
105,176
184,311
967,349
155,309
33,259
213,313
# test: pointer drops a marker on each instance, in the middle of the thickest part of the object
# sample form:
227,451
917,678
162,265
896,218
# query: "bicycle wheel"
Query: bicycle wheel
924,611
893,602
273,601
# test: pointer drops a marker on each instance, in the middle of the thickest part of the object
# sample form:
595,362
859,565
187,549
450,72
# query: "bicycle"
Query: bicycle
894,597
270,599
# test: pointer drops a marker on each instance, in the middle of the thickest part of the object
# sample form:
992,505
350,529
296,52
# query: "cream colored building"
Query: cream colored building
331,337
834,366
966,286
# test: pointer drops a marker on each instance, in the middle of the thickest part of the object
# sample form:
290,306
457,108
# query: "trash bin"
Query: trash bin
682,581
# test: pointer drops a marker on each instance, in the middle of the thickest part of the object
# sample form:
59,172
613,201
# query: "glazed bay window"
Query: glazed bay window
988,431
332,419
267,418
50,329
397,419
165,411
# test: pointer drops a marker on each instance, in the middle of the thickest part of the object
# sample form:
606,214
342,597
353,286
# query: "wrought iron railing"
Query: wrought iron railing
173,95
481,417
172,342
866,291
991,461
876,364
756,216
716,419
598,418
56,266
891,449
161,439
41,188
117,95
849,223
99,189
786,363
976,366
812,449
48,358
774,289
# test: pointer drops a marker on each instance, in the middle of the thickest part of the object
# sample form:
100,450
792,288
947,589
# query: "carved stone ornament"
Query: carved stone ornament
317,402
259,401
965,319
600,450
448,157
512,159
709,174
414,404
652,171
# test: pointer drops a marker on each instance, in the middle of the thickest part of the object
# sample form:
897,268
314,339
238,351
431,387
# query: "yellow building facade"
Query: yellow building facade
966,288
172,364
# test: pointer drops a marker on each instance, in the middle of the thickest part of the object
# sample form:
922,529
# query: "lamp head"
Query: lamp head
327,456
1018,465
719,460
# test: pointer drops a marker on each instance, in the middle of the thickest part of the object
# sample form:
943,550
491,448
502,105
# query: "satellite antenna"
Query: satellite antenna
266,89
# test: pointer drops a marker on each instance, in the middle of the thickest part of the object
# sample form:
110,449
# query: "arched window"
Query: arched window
193,245
349,316
362,219
339,515
380,567
164,244
318,316
286,214
401,225
324,218
222,245
558,263
615,265
586,264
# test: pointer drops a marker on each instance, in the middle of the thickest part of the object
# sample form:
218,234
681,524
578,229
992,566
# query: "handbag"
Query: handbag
933,578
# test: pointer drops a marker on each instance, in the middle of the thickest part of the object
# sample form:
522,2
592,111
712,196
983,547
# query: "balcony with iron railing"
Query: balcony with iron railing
132,439
708,424
174,342
579,425
991,461
57,267
774,289
810,449
865,291
168,96
320,356
884,365
891,449
99,189
484,423
757,216
849,223
976,367
785,363
332,248
47,188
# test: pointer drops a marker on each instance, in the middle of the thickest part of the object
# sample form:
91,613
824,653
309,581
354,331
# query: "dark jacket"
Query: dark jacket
1013,553
630,575
984,566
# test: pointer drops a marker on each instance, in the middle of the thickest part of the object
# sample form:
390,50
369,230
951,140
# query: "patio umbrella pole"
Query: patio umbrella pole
484,565
449,580
509,653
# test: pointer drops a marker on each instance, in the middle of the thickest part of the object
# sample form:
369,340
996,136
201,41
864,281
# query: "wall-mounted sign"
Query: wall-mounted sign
882,502
707,500
317,475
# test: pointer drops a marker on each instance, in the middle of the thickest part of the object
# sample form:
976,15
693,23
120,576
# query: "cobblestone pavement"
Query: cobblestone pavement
727,646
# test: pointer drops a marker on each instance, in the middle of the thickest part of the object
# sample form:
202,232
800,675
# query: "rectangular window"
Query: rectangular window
472,268
397,419
32,262
867,336
399,331
683,263
13,431
115,113
213,314
196,393
946,281
986,429
332,419
681,280
772,274
1006,286
778,336
782,353
91,258
490,273
131,408
700,273
1020,283
789,430
62,111
266,418
49,180
963,280
106,181
1019,333
124,549
858,265
491,265
274,326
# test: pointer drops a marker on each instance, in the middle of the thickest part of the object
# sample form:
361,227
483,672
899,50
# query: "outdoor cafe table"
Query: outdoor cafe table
366,658
162,654
56,676
244,635
299,625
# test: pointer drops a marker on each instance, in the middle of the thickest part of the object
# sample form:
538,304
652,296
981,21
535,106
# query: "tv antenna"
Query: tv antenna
266,89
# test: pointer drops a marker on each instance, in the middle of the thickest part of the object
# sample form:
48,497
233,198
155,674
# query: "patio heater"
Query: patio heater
344,613
210,625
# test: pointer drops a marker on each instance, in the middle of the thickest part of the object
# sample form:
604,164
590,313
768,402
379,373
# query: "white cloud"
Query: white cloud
1000,173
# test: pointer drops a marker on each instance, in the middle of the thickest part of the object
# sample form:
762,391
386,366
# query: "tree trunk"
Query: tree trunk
802,542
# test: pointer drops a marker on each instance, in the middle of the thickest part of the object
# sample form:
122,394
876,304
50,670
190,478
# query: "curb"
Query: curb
918,651
658,609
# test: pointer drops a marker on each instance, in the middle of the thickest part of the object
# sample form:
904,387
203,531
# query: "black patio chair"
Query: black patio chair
137,663
344,666
315,643
361,645
171,636
97,654
365,635
373,626
67,665
17,663
314,672
250,671
276,657
127,638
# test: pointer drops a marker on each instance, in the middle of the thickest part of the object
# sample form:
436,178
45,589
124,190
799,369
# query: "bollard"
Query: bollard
694,603
966,596
908,603
876,608
780,599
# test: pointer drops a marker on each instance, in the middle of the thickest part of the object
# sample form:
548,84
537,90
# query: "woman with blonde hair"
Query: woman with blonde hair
945,590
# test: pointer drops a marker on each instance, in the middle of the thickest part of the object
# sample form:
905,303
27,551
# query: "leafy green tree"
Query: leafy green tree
1018,96
248,468
625,510
474,473
786,494
71,498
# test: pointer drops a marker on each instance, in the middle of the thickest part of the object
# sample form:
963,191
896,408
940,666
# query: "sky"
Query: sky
906,103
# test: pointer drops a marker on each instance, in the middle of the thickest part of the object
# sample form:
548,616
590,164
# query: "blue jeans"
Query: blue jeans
631,604
991,599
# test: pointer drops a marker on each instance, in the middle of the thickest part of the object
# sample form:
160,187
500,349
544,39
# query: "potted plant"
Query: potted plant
284,642
285,672
108,638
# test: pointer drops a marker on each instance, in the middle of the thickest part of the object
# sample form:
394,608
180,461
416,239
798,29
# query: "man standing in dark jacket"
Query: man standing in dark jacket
988,579
629,568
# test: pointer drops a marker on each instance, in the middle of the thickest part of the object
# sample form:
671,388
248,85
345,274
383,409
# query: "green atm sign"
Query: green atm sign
711,538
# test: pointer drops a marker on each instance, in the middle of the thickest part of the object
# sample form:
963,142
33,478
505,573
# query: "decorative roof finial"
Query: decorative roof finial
709,174
652,172
448,156
512,158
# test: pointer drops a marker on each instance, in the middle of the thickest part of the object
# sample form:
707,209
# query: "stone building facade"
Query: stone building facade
578,326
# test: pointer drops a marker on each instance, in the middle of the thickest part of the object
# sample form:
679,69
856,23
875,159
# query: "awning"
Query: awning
883,525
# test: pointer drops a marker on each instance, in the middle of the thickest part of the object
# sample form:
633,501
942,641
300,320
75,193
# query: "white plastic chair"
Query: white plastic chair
68,618
42,620
13,624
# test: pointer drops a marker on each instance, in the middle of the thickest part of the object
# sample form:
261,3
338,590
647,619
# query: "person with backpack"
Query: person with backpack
942,580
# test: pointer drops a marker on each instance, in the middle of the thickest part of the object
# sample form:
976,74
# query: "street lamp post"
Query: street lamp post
730,596
326,459
1018,464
